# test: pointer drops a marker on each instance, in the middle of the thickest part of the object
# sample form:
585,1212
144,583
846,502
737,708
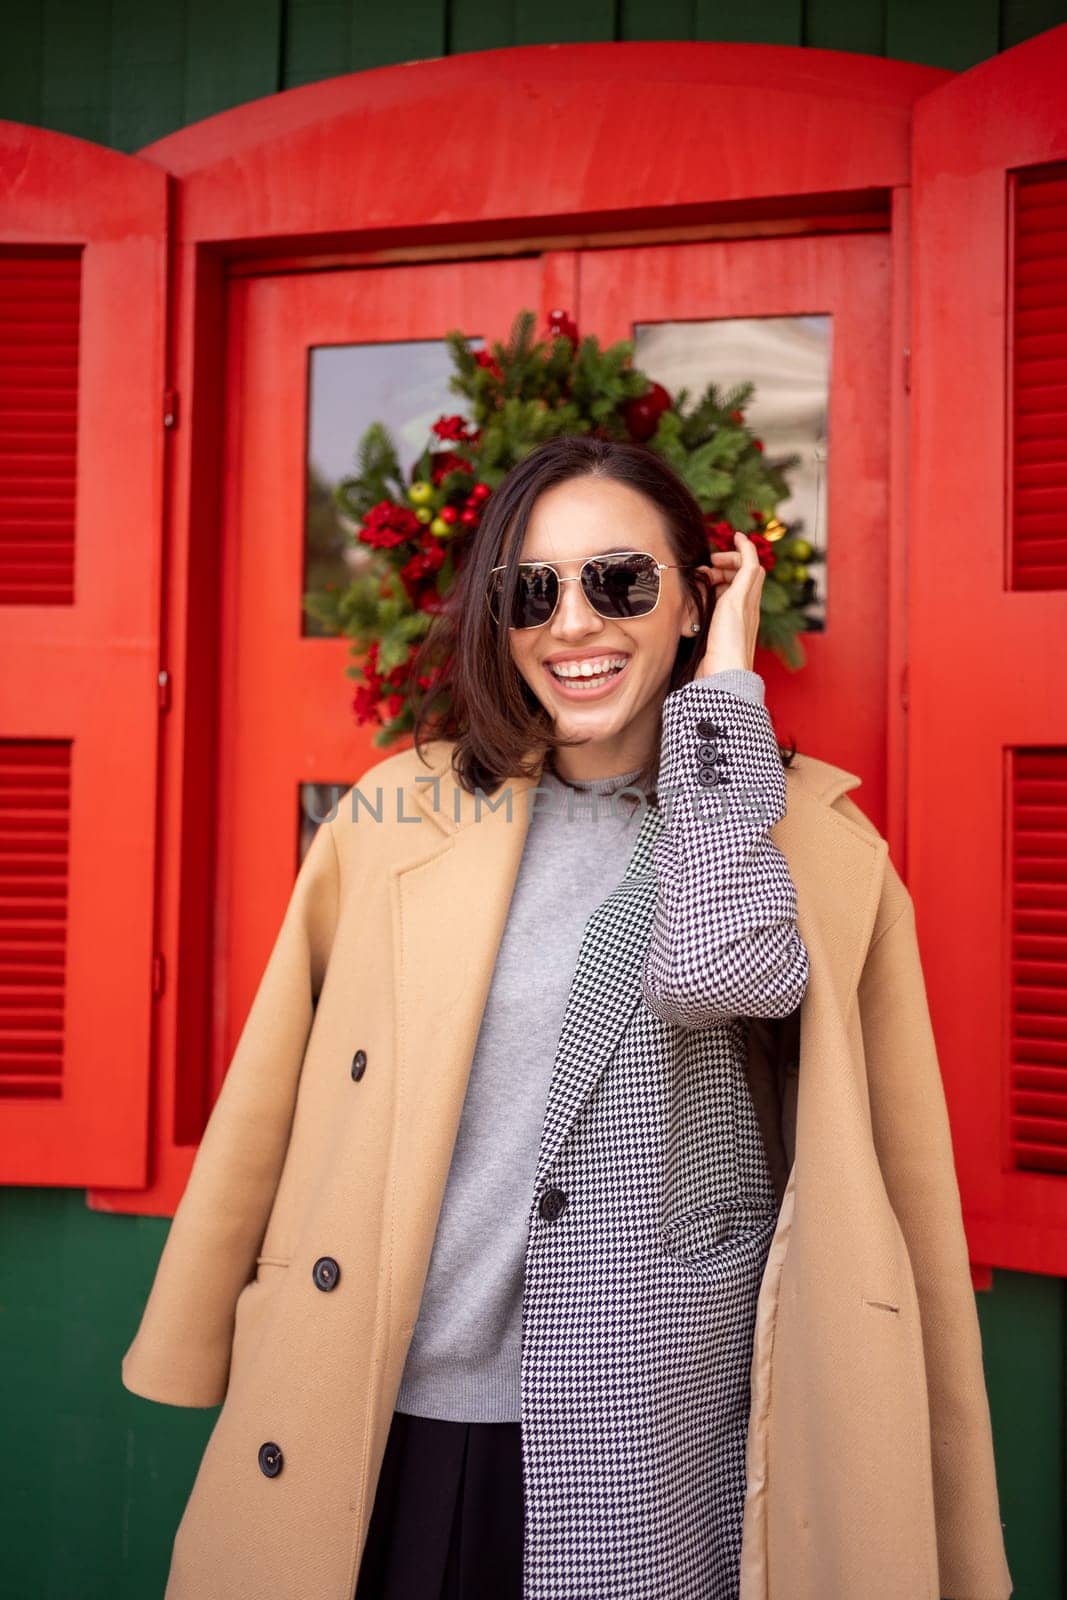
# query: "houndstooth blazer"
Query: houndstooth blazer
654,1204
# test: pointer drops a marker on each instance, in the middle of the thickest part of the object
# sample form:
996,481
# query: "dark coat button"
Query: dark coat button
709,754
271,1459
710,730
359,1064
710,777
325,1273
552,1204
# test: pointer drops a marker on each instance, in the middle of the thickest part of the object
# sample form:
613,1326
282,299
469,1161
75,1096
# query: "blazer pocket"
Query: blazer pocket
712,1234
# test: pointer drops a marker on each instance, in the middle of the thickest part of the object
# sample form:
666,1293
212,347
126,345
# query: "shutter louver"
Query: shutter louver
40,293
35,786
1039,381
1039,960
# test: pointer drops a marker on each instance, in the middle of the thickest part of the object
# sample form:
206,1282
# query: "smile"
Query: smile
595,675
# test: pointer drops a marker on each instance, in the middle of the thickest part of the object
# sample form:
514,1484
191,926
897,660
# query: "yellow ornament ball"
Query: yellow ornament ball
424,514
800,573
441,527
802,549
420,492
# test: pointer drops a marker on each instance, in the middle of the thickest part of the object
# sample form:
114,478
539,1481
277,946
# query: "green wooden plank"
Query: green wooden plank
656,19
840,25
473,25
316,41
564,21
759,22
76,68
1024,1345
21,58
147,72
956,34
1022,19
233,53
408,30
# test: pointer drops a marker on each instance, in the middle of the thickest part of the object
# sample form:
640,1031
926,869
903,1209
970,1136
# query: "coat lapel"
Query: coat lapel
451,899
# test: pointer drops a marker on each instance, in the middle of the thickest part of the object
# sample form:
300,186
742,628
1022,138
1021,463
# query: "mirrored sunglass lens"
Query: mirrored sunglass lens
534,601
621,586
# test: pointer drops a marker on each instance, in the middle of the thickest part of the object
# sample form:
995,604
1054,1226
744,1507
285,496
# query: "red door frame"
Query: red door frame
391,164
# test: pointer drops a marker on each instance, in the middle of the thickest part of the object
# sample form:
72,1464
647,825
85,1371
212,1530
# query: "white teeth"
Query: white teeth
599,667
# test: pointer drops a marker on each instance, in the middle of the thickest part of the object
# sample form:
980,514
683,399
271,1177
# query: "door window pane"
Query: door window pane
403,384
788,359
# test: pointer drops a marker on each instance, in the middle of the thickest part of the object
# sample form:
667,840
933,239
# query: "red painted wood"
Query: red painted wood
619,132
987,660
78,676
845,276
286,702
391,159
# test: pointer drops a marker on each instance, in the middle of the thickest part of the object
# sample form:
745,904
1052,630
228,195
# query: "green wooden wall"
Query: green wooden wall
125,72
93,1480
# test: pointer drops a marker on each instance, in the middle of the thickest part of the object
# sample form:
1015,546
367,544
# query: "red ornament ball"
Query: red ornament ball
641,418
469,518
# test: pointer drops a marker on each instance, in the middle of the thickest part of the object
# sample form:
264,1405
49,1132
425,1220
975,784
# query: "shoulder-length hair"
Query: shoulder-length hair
475,696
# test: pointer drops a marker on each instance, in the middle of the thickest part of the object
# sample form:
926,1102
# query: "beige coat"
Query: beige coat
870,1462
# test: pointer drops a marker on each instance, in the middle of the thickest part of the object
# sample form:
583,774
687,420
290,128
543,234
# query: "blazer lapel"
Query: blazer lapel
605,991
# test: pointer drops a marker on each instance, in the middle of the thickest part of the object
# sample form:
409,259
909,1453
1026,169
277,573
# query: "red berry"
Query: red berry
469,518
481,491
658,398
448,514
641,420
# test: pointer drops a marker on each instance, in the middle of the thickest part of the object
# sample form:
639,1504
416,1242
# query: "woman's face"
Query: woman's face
616,714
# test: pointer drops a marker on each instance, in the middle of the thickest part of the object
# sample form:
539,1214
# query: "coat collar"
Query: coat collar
451,898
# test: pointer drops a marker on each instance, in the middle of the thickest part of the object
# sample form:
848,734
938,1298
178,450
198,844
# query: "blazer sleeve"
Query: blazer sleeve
725,941
181,1353
914,1146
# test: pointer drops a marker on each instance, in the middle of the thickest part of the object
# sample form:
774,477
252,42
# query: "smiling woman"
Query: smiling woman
597,556
620,1249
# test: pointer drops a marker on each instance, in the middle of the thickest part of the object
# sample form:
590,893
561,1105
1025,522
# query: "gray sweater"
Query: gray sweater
463,1362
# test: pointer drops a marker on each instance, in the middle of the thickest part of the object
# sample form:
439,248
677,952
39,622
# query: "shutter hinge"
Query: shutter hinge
163,682
159,973
904,686
170,408
906,366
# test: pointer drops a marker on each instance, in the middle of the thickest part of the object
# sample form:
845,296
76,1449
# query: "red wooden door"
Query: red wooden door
837,706
306,371
988,648
82,333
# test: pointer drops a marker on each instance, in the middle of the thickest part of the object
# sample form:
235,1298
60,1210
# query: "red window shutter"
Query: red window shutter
82,278
987,800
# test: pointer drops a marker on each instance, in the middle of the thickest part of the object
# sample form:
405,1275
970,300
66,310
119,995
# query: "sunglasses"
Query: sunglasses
624,584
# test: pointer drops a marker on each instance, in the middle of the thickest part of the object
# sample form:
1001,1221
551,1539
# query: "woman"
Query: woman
577,1217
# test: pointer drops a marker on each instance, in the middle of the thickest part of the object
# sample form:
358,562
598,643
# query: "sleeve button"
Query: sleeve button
710,730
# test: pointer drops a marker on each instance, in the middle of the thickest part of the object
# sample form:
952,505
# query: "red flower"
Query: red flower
452,428
387,524
491,364
365,701
444,462
422,565
394,705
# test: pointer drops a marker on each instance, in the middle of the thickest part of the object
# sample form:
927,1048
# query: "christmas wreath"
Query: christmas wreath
411,536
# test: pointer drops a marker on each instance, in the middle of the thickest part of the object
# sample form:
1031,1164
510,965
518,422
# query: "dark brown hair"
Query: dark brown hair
500,728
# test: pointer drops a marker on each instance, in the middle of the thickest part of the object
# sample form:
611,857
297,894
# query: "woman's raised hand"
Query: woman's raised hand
734,629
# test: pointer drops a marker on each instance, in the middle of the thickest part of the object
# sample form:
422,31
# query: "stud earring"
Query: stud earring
694,627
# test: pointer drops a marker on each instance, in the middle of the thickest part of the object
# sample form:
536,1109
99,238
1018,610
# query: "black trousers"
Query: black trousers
447,1518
